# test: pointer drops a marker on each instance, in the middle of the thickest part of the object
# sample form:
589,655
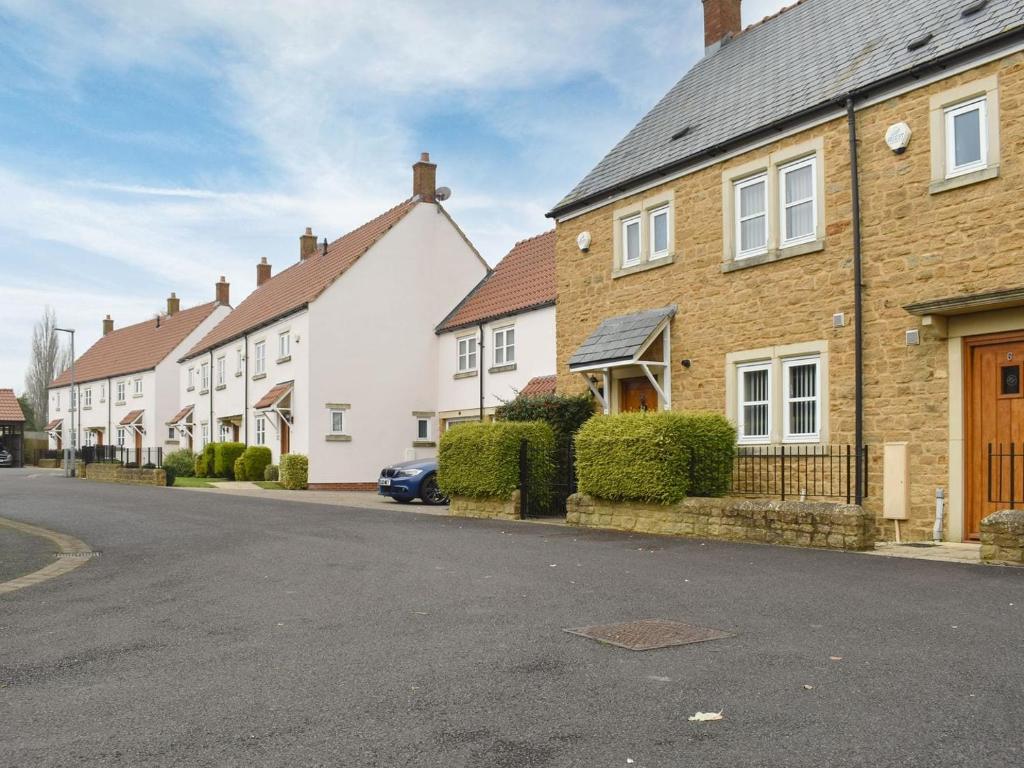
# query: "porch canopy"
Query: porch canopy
53,427
628,341
182,421
278,402
133,421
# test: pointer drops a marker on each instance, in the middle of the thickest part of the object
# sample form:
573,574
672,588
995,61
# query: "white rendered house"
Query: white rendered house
500,339
336,356
127,382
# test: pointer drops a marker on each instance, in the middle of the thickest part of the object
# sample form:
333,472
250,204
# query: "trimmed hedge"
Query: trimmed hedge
182,461
256,459
204,462
481,460
294,471
239,469
657,458
271,473
170,475
201,465
224,455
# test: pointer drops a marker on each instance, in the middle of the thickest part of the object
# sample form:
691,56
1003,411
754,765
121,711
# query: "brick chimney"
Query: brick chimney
307,244
223,289
108,325
424,178
262,272
721,21
173,304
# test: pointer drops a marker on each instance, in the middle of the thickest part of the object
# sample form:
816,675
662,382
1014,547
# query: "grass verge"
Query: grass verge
191,482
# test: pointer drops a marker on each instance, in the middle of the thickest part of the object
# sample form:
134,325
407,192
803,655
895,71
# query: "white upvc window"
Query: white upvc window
57,402
191,378
631,241
801,405
337,422
422,428
120,391
754,418
103,393
284,344
467,354
120,437
137,387
261,430
966,138
799,216
225,432
658,228
221,371
239,359
505,346
751,208
204,376
260,351
87,397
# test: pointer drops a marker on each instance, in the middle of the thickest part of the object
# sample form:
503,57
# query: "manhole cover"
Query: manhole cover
648,634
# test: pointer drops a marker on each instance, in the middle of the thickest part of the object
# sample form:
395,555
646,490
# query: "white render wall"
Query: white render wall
535,356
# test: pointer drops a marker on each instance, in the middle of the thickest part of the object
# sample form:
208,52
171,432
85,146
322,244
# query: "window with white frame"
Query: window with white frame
120,437
504,346
87,397
801,407
754,403
57,402
422,428
103,393
798,205
238,361
191,378
631,241
120,391
966,138
221,371
138,387
204,434
204,376
284,344
658,227
751,207
467,354
261,430
260,352
225,432
337,422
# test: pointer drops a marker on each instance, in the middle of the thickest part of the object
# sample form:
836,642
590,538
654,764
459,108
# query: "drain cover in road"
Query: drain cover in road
648,634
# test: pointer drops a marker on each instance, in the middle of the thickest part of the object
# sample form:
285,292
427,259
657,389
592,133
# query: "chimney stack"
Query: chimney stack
424,178
223,292
108,325
262,272
173,304
721,22
307,244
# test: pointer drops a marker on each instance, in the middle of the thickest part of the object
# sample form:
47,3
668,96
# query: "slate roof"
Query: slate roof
808,56
301,283
136,347
540,385
10,408
523,280
276,393
619,338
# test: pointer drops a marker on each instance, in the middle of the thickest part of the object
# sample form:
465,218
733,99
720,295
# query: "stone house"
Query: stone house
500,339
336,357
816,232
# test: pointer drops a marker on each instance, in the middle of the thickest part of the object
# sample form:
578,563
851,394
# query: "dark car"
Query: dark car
6,457
411,480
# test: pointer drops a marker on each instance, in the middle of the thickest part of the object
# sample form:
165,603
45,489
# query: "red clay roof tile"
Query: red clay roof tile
276,393
53,424
540,385
10,408
131,418
181,415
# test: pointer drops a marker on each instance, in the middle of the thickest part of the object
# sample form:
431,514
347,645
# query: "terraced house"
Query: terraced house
817,230
335,357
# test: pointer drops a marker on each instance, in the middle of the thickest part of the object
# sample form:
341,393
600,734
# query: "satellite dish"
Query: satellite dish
442,194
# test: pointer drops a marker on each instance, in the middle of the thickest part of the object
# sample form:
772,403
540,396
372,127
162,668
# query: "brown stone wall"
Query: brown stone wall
1002,537
497,509
794,523
916,246
115,473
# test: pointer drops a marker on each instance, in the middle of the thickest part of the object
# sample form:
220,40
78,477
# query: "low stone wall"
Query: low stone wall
49,463
115,473
795,523
495,509
1002,537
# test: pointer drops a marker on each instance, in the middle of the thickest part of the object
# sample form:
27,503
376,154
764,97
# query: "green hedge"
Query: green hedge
658,457
294,471
204,462
481,460
224,455
239,469
271,473
182,461
256,459
202,466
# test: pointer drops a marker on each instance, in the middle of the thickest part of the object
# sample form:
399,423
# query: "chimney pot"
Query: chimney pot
223,292
262,272
722,20
108,325
424,179
173,304
307,244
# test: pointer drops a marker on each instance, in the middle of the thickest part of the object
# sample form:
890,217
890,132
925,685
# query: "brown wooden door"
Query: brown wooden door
138,447
993,415
286,437
637,395
99,437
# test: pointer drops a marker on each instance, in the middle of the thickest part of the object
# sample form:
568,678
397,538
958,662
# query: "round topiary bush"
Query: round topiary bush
182,461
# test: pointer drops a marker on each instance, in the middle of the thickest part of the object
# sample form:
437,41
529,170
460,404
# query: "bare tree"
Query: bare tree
49,359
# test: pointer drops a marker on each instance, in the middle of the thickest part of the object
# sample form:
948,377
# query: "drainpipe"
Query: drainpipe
245,397
940,509
110,413
209,394
480,364
858,314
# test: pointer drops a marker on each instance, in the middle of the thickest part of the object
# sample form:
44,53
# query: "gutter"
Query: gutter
491,318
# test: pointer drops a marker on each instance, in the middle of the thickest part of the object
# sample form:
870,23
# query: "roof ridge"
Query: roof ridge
162,315
770,17
528,239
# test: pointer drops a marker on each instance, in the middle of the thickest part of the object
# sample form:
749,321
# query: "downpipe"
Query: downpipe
940,513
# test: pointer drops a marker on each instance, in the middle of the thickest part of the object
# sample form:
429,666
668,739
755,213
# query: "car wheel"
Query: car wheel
431,493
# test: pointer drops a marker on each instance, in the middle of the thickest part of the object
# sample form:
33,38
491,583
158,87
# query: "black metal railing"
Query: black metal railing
1006,474
798,472
129,457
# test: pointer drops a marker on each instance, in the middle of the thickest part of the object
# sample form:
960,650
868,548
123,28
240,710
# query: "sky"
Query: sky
152,147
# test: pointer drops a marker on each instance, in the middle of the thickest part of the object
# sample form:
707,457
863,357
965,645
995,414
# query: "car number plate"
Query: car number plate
385,481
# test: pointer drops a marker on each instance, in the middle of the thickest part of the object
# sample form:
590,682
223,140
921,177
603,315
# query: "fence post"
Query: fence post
847,473
783,470
524,479
1013,473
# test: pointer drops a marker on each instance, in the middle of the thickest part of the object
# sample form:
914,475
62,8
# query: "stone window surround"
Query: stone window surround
429,417
775,356
987,88
643,209
338,437
770,166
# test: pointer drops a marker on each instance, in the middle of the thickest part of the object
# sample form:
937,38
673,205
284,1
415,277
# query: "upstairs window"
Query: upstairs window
504,346
138,388
238,361
752,216
659,232
754,403
103,393
631,241
191,378
284,345
204,377
260,351
57,402
87,398
120,391
467,354
221,371
796,183
966,132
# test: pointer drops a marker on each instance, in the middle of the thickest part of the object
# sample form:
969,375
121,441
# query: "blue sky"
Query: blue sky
152,147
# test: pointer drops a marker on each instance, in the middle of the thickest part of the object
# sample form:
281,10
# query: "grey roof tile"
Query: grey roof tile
620,338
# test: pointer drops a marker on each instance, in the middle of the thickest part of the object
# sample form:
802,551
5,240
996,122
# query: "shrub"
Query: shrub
655,457
201,467
183,462
482,460
172,475
149,465
256,458
294,471
239,469
224,455
271,473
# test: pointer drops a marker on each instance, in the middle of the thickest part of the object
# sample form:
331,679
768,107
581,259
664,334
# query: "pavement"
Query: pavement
22,553
222,629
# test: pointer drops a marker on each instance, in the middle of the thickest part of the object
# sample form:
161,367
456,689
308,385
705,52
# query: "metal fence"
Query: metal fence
1006,474
115,454
798,472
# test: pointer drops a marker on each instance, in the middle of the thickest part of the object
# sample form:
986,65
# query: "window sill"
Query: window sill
204,392
643,266
86,407
135,397
778,254
219,387
338,438
189,389
944,185
285,359
237,374
424,444
119,402
258,376
465,375
502,368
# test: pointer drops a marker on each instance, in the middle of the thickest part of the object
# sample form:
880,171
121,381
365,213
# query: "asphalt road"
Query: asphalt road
244,632
22,553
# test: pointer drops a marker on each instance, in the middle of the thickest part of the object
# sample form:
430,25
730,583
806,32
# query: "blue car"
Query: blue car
411,480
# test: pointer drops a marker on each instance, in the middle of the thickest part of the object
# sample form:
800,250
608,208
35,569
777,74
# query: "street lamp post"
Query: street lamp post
69,453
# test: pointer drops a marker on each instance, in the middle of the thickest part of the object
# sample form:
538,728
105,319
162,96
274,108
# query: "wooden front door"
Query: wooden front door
286,437
138,447
99,437
637,395
993,415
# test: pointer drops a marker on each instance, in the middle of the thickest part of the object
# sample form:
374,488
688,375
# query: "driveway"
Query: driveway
227,630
